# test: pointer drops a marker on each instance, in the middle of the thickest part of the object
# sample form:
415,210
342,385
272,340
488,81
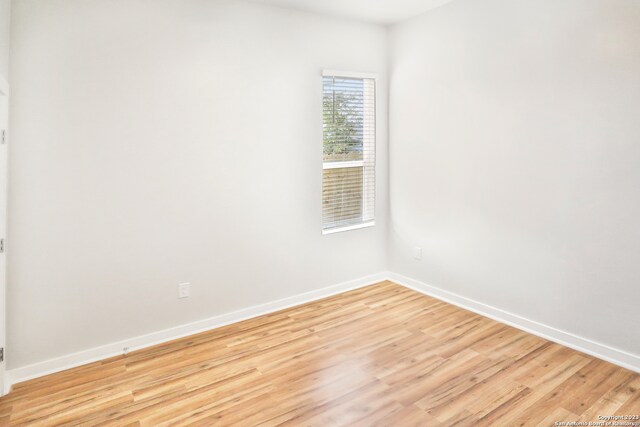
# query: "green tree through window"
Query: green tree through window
343,116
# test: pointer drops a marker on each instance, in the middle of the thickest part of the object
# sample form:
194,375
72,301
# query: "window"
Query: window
349,140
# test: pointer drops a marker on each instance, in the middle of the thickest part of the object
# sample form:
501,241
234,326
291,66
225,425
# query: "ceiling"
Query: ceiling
376,11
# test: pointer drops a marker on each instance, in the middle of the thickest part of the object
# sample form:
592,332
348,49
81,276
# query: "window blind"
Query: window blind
349,133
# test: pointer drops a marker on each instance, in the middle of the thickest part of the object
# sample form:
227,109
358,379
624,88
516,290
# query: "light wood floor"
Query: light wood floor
381,355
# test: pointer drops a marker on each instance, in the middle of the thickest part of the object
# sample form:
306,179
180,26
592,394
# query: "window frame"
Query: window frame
356,163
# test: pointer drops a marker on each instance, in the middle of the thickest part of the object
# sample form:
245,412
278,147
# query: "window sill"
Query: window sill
348,228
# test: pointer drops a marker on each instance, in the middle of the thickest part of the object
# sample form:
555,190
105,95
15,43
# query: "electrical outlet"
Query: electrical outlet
184,290
417,253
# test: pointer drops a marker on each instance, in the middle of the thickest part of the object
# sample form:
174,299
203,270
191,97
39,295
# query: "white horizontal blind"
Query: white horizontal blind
349,129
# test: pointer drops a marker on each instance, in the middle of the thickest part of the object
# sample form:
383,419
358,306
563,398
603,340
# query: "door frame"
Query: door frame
5,383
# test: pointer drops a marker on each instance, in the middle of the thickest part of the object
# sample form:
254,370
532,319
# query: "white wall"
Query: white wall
5,20
158,142
515,153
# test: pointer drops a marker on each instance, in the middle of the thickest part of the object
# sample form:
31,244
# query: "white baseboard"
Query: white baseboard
584,345
601,351
6,384
73,360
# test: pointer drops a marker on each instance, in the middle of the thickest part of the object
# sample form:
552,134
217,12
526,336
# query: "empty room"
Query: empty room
320,213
